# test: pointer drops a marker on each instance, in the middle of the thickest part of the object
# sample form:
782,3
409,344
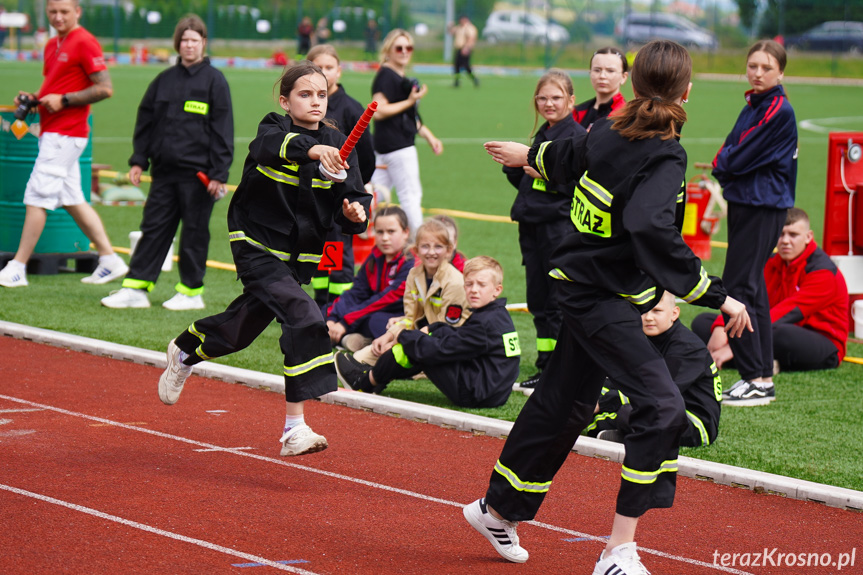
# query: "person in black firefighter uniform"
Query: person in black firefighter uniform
277,222
474,365
185,125
345,112
625,251
542,212
690,365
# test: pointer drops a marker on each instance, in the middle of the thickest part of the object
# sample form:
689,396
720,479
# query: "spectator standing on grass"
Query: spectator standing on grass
626,244
185,126
474,365
542,210
757,169
464,36
808,306
345,112
304,35
397,122
692,369
372,36
75,77
434,292
608,72
277,222
322,31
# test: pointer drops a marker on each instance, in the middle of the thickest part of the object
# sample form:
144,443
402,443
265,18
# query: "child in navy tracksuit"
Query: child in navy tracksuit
277,222
757,168
474,365
345,112
361,313
691,367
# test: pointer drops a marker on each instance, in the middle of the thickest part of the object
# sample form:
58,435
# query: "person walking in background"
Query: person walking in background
397,122
277,222
808,306
608,72
75,77
345,112
626,243
372,37
464,36
322,31
542,212
757,169
185,126
304,35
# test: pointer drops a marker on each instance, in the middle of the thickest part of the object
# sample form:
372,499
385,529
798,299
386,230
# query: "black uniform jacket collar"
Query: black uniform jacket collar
553,132
194,68
499,302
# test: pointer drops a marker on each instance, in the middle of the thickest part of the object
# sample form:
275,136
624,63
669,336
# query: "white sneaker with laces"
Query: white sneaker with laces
301,440
737,384
126,298
623,560
174,377
500,533
183,302
107,273
11,276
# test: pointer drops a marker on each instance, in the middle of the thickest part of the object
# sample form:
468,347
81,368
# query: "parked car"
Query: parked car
839,36
641,27
519,26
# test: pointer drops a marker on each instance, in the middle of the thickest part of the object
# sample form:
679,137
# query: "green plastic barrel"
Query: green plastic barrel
17,156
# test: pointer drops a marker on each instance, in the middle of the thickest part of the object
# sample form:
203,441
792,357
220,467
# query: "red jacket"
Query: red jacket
809,292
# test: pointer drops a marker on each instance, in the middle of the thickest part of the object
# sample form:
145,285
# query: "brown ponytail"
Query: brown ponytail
660,76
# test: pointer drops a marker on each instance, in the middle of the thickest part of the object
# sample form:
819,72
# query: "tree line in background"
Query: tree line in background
794,16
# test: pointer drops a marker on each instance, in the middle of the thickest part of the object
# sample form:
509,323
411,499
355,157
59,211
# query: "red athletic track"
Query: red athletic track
81,495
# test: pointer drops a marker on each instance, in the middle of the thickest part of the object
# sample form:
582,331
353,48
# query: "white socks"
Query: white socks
292,421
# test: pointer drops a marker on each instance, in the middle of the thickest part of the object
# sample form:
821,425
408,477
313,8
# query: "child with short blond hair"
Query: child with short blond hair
474,365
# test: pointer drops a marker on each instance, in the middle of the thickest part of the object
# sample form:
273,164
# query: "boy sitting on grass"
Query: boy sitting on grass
692,369
474,365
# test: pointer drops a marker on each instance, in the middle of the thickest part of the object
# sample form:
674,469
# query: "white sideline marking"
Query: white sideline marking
339,476
156,530
813,125
18,410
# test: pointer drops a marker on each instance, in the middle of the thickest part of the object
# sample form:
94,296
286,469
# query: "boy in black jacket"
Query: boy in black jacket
474,365
692,369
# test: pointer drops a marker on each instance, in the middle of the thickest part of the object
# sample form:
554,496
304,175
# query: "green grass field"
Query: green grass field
813,430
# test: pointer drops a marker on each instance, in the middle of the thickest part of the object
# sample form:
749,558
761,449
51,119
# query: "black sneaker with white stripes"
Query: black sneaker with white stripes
750,393
500,533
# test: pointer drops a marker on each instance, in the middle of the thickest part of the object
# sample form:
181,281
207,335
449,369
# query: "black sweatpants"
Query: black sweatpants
796,348
601,336
537,242
461,62
270,291
691,437
167,204
752,236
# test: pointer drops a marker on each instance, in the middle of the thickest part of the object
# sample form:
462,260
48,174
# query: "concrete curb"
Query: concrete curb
719,473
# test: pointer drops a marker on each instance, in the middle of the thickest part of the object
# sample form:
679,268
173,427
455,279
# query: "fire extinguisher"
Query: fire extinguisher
705,206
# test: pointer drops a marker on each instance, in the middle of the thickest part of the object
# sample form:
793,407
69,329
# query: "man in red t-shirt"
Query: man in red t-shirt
808,306
75,77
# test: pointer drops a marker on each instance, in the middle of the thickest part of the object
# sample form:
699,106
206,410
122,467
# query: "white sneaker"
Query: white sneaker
183,302
501,534
301,440
174,377
107,273
623,560
126,298
11,276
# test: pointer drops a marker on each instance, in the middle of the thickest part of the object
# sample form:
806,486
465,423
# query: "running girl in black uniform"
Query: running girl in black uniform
626,249
277,222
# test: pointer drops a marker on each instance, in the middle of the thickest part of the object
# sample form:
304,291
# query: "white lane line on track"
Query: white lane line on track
356,480
156,530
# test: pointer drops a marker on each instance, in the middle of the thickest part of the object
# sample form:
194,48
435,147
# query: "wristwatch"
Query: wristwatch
65,101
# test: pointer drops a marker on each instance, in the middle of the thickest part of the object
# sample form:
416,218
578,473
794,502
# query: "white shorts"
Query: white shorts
56,177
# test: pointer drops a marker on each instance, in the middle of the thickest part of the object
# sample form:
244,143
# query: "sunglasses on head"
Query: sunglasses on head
407,49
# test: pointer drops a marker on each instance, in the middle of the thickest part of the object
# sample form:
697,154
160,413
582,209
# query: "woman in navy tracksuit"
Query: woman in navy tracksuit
757,167
541,209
